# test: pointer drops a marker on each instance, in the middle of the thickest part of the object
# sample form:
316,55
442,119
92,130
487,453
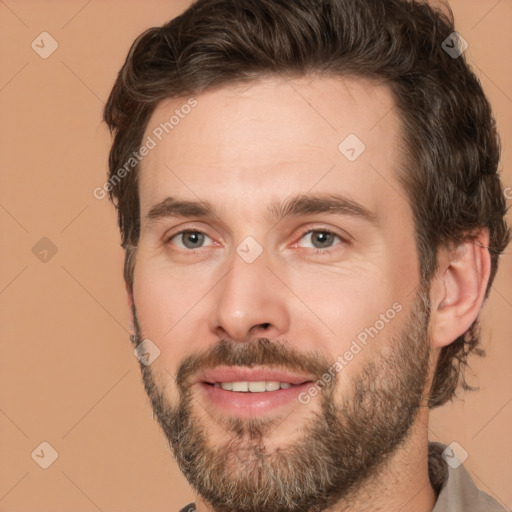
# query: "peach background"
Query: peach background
68,375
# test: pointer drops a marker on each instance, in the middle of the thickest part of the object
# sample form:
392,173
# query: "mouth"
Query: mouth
255,375
253,387
249,392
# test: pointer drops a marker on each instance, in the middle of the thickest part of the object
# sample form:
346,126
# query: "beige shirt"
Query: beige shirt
454,487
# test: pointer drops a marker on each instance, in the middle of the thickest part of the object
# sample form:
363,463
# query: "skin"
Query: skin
241,148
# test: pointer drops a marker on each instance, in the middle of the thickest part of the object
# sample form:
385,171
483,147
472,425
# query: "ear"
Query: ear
458,289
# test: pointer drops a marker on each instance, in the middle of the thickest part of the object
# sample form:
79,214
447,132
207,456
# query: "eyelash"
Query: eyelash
321,252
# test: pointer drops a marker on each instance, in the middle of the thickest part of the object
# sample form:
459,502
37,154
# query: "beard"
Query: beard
345,440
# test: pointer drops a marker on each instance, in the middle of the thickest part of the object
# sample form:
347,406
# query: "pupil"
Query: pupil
323,234
191,235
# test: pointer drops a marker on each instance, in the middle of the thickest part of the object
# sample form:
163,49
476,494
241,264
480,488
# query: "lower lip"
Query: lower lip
249,404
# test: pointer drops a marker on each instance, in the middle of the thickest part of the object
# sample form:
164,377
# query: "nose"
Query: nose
250,302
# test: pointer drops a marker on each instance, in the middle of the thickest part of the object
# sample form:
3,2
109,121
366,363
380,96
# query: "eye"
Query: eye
190,239
322,239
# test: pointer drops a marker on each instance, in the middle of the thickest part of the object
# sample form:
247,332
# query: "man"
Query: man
312,216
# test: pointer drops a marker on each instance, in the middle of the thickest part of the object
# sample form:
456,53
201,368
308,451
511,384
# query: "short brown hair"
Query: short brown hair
452,147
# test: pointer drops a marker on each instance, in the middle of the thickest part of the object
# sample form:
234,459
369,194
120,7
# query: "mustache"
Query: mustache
257,352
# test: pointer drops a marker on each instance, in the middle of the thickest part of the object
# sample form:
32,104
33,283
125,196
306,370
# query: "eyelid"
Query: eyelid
345,238
168,238
185,227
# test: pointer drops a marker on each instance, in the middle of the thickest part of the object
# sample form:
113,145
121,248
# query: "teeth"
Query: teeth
257,387
273,386
253,387
240,386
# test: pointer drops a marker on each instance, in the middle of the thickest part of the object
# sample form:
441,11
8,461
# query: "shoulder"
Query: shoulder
455,487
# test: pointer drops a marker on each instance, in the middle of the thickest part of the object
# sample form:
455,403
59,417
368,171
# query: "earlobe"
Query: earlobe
458,292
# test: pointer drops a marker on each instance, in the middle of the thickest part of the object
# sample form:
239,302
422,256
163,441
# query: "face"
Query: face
285,301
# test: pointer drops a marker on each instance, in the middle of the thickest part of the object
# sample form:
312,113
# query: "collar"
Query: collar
456,491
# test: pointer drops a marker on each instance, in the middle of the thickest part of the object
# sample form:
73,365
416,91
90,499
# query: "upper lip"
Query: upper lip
245,374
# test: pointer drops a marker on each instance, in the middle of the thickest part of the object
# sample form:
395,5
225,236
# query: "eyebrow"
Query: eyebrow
297,206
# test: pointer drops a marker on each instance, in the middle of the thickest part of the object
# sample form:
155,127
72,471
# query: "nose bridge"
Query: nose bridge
249,297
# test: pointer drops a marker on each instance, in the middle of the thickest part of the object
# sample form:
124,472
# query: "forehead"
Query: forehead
278,136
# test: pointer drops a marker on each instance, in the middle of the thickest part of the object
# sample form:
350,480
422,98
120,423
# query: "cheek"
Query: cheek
163,295
158,308
172,309
347,299
357,311
162,306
